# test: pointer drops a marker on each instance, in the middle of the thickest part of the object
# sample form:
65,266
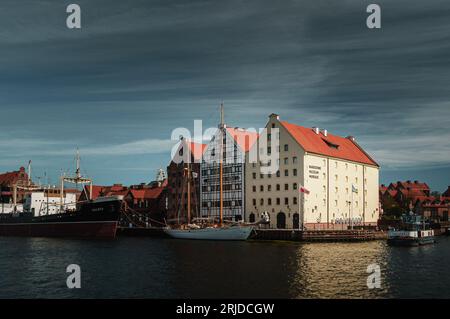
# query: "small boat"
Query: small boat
413,232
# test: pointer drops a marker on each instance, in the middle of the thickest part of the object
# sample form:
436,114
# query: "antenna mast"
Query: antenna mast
77,172
222,116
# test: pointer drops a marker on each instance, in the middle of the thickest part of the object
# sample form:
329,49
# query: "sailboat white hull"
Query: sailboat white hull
220,233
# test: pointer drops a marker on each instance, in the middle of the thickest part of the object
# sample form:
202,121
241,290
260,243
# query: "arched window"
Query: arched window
251,218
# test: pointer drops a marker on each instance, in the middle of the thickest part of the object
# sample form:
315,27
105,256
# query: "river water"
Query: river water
168,268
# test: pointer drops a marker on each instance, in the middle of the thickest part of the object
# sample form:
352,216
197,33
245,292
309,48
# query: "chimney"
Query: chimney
316,130
351,138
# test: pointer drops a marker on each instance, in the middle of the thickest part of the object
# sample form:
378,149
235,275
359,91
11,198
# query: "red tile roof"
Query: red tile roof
96,191
330,145
392,192
245,139
10,178
147,193
196,149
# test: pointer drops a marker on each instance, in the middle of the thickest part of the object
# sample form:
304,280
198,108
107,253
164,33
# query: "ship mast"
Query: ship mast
77,179
222,135
189,194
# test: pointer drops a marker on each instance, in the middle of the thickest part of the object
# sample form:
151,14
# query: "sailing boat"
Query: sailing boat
210,231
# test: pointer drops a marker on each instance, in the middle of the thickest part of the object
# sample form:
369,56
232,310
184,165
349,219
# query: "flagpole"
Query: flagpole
351,214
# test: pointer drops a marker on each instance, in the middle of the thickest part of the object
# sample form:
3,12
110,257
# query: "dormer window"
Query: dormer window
332,145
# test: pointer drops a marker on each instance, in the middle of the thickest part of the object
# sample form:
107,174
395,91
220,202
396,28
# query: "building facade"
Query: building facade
231,146
341,178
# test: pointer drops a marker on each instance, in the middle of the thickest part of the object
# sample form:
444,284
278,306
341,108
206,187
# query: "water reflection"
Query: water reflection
336,270
164,268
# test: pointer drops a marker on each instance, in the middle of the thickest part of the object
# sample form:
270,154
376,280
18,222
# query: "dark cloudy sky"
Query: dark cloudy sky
138,69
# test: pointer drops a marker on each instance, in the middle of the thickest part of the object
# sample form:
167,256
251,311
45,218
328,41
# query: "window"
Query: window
286,201
336,164
254,188
335,203
294,186
273,125
261,175
269,137
286,172
294,160
286,147
278,187
261,188
278,201
254,201
261,201
336,177
253,165
346,179
269,201
269,150
295,200
286,187
269,188
286,161
254,175
295,172
336,189
278,173
324,189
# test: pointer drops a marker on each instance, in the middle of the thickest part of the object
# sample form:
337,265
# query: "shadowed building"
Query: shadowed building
188,153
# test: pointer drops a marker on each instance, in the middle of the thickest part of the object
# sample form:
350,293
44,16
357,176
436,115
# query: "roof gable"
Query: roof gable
244,138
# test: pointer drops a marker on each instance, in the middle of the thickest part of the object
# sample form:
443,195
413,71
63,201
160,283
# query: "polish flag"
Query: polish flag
304,190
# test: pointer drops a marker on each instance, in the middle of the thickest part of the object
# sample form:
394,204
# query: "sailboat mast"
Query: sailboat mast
222,135
188,194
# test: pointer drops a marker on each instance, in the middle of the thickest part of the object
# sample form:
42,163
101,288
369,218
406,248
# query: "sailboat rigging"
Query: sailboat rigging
206,228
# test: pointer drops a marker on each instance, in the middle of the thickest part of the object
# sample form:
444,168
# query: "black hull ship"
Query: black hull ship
48,212
97,219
